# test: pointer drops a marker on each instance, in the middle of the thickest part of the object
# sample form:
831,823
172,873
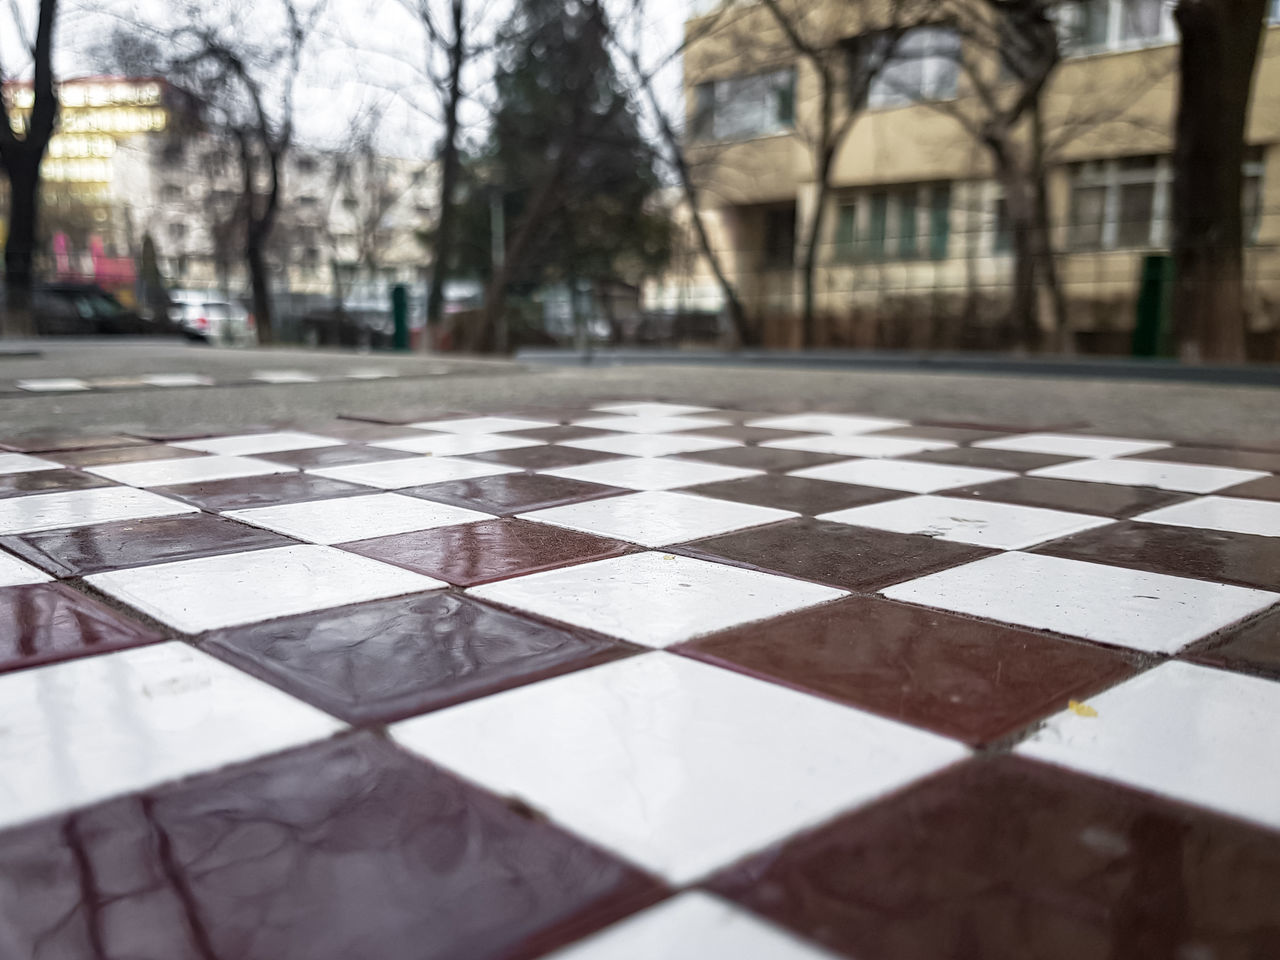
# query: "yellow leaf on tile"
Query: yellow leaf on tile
1081,709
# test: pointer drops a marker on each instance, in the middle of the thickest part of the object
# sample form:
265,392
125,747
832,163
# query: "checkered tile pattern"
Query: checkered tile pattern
643,679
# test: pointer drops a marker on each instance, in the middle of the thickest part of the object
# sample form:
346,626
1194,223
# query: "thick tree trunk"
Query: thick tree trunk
19,249
449,169
1216,60
809,265
1046,258
1019,204
260,283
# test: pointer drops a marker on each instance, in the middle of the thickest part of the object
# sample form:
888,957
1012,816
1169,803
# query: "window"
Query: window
846,231
306,164
879,225
923,67
177,232
1095,25
907,216
745,106
940,221
1117,204
780,236
308,203
171,193
1003,241
1251,194
900,223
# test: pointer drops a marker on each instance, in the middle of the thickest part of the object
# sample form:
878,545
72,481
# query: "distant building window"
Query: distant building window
745,106
923,66
1251,193
780,237
847,231
171,193
897,223
1120,204
177,232
1092,26
308,203
306,164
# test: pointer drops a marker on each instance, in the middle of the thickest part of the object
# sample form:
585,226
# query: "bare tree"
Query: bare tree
22,156
1217,56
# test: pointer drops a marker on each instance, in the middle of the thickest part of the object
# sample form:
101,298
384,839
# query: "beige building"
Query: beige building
914,245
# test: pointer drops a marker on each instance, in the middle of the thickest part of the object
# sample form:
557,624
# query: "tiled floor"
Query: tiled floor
638,680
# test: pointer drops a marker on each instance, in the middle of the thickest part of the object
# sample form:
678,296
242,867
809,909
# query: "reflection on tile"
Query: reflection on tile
338,456
225,591
1187,732
1072,445
855,558
43,622
1233,514
1252,647
1128,608
78,551
1014,460
159,473
657,518
480,425
543,457
249,444
1185,477
794,493
1104,499
617,596
80,508
902,474
355,518
47,481
692,924
474,553
985,523
651,444
391,659
1006,859
456,444
650,424
411,472
646,473
651,409
852,445
765,458
218,495
102,457
14,572
962,678
97,727
512,493
827,423
49,442
22,463
312,855
678,766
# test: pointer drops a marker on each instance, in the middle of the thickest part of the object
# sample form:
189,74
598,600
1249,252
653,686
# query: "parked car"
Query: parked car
204,316
368,329
85,310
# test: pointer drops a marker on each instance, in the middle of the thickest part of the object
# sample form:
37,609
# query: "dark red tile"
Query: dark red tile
406,416
346,850
1252,647
244,492
357,431
559,434
96,458
133,543
991,459
1264,488
857,558
1103,499
513,492
808,497
1216,456
744,434
932,432
383,661
764,458
48,481
44,622
966,679
1182,551
333,456
50,442
1005,859
473,553
549,457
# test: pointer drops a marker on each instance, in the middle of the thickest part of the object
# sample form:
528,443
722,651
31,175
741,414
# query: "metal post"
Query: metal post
400,316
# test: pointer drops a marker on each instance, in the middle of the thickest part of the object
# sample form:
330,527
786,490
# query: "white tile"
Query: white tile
651,444
827,423
456,444
82,508
652,409
481,424
412,472
902,474
75,733
1183,477
160,473
656,599
651,473
1233,514
692,926
1197,735
22,463
851,445
248,444
984,523
224,591
285,376
1129,608
15,572
370,373
1073,444
355,518
658,517
650,424
53,384
177,380
676,765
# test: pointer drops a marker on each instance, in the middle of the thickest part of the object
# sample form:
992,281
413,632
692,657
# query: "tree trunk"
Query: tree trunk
449,168
19,248
1046,258
260,283
1216,61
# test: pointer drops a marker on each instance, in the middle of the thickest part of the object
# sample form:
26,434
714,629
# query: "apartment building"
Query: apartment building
915,244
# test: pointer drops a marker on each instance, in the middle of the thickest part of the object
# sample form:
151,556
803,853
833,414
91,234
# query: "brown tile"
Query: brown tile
333,456
513,492
966,679
933,432
44,622
1253,647
745,434
1103,499
473,553
244,492
357,431
383,661
49,442
991,459
1182,551
549,457
96,458
345,850
857,558
1216,456
48,481
559,434
804,496
132,543
764,458
1005,859
406,416
1264,488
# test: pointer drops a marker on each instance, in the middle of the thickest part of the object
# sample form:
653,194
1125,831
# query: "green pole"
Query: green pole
400,315
1151,325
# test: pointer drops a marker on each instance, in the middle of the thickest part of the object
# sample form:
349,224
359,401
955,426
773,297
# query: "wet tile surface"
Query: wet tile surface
392,659
1266,488
855,445
512,492
651,473
1184,477
413,471
1230,514
1007,859
475,553
1102,499
991,459
331,456
160,473
1251,647
355,518
48,481
1080,446
43,622
966,679
1218,456
545,457
798,494
251,444
219,495
905,475
764,458
139,454
83,508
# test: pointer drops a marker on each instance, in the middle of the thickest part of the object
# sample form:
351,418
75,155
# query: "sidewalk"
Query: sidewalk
624,679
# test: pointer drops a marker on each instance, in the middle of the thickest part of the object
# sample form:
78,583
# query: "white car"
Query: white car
203,316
